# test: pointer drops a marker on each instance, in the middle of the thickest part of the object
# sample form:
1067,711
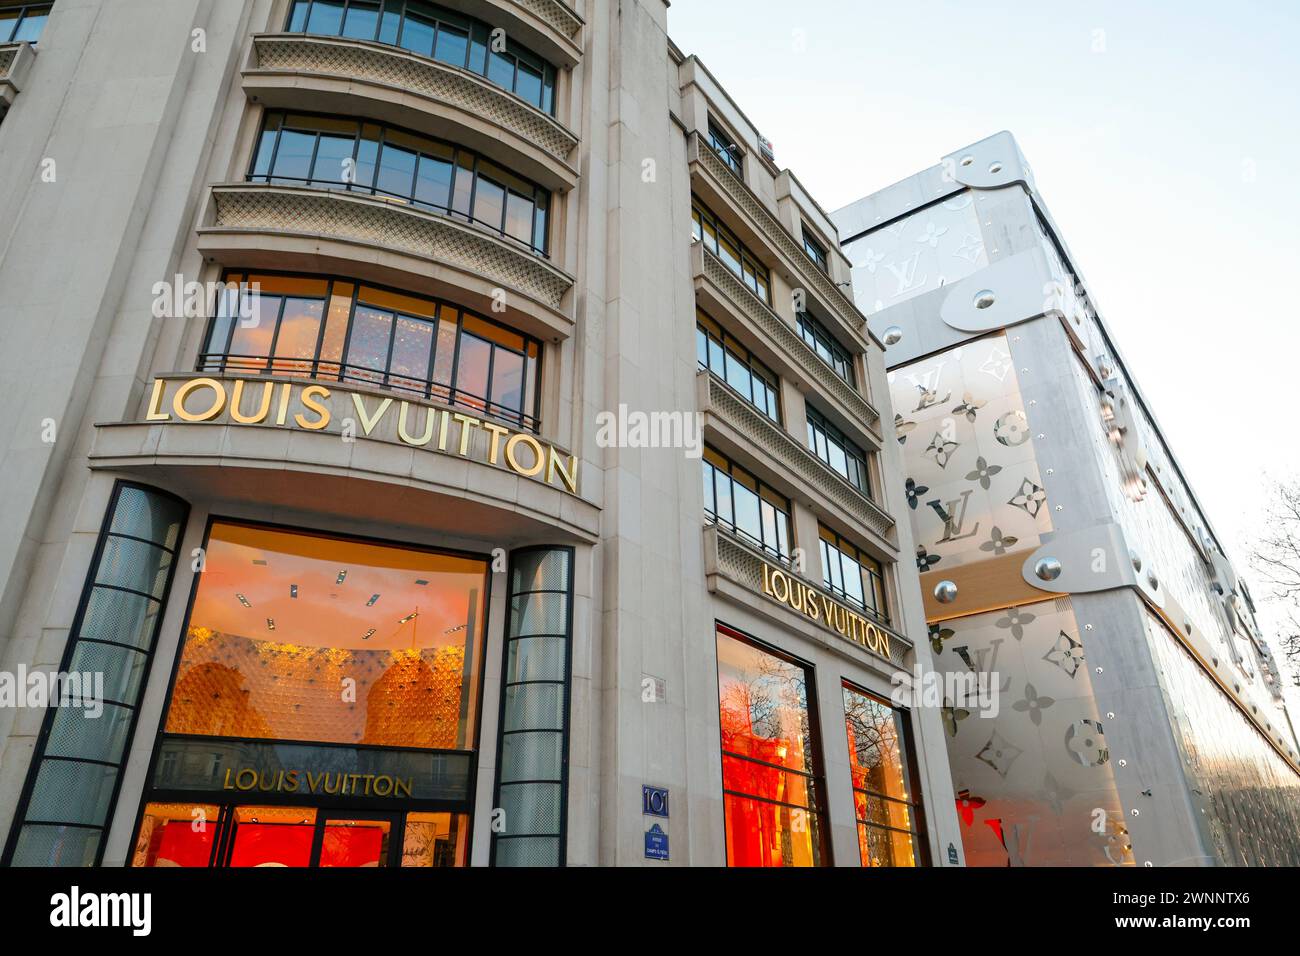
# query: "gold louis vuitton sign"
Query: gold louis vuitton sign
313,407
829,613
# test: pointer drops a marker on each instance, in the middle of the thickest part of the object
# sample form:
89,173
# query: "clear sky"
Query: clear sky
1164,138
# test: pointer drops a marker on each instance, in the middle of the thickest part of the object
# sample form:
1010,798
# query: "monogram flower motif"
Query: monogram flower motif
998,542
983,472
932,235
941,449
968,407
1033,704
1066,653
1030,498
1015,619
925,561
913,490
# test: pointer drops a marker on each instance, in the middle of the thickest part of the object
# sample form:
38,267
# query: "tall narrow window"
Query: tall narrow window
726,149
75,773
739,502
771,782
886,803
815,251
532,773
853,574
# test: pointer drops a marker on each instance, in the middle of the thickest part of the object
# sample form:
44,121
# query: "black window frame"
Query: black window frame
701,215
219,361
26,10
711,516
815,251
819,338
477,32
871,575
727,149
541,198
818,424
708,343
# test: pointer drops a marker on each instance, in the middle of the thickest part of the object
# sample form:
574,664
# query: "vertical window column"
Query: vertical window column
76,770
533,739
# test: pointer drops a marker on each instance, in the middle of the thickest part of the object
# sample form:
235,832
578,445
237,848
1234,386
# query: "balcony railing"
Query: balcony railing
780,335
380,64
225,364
795,461
767,225
350,217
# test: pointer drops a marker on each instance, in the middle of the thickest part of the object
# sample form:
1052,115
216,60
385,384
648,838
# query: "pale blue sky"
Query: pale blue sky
1168,160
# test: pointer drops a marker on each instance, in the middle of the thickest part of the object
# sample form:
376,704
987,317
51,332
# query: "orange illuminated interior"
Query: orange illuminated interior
298,636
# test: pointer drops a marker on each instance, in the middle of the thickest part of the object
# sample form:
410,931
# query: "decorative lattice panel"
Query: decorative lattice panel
324,213
783,335
395,68
794,459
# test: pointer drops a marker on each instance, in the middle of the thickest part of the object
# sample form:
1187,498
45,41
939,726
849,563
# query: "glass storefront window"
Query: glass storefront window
771,782
401,167
374,336
886,806
303,637
204,835
435,32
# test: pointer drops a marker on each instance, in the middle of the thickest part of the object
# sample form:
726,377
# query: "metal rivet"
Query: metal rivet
945,592
1047,569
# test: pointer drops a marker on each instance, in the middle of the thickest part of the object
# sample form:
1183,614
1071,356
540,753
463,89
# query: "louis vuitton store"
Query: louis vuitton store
282,695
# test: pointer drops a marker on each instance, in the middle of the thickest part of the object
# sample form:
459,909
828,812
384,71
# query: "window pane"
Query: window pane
529,85
489,202
501,70
472,371
444,360
507,380
367,159
362,20
293,157
252,335
334,159
396,171
453,45
368,346
326,17
519,218
392,19
412,342
747,517
478,48
8,21
464,184
417,34
433,185
299,331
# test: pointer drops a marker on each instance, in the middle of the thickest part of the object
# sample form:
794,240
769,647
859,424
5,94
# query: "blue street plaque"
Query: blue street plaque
654,801
656,843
